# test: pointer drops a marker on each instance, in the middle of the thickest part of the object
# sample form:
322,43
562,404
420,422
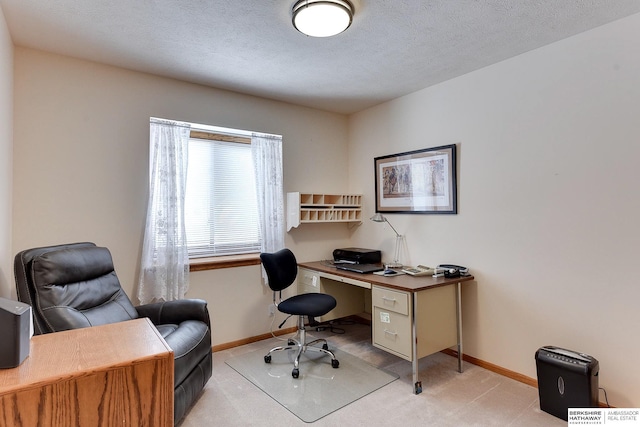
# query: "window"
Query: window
212,192
221,211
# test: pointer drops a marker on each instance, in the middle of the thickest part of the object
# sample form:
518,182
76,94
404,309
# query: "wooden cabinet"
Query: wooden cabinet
305,208
117,374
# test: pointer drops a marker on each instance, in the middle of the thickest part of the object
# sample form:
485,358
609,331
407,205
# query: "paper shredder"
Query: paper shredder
566,379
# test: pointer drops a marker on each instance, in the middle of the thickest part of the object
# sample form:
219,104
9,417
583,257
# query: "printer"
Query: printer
357,256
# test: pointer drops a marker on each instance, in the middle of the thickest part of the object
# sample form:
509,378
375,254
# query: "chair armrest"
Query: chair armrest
175,312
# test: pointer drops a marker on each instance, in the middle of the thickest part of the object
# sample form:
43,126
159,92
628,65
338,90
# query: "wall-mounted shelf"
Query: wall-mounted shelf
307,208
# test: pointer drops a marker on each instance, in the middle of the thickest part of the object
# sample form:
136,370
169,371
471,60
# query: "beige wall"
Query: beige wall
6,154
81,168
549,201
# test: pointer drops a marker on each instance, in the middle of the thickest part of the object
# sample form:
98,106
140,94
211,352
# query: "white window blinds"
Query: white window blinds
221,209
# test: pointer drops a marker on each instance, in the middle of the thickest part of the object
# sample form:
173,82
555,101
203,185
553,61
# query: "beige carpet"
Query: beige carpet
476,397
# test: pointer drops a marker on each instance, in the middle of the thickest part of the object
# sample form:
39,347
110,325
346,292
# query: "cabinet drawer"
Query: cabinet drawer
392,332
388,299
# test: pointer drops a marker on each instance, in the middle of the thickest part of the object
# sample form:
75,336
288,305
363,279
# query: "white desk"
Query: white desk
412,317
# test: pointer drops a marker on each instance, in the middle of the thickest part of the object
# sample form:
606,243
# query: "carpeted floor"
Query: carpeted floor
476,397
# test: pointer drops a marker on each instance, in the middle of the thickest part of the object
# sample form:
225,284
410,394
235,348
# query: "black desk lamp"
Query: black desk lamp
396,256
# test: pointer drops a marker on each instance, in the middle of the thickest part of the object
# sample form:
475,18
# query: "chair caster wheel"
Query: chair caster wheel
325,347
295,373
267,358
335,363
291,342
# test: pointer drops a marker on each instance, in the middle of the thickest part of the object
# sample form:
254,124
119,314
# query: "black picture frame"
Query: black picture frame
420,181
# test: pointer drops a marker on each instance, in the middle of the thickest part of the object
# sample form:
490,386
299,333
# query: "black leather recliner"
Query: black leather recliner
75,286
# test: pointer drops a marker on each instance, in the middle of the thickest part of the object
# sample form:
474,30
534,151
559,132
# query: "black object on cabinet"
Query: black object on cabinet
15,332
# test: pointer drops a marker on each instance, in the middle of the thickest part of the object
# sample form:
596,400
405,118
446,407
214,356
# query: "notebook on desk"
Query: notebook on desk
360,268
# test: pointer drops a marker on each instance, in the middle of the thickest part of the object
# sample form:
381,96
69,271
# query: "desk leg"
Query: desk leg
459,324
417,384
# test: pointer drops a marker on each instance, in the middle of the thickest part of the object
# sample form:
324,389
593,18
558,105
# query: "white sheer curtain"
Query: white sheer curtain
164,269
267,161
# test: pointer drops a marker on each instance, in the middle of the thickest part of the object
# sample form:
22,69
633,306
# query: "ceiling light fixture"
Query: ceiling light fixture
322,18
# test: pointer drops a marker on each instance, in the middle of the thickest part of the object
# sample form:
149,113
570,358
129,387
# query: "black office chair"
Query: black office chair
282,269
75,285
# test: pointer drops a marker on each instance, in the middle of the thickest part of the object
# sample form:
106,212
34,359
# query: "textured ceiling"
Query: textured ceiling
393,47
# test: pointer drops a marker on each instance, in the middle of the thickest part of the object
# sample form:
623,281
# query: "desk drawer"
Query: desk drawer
388,299
392,332
343,279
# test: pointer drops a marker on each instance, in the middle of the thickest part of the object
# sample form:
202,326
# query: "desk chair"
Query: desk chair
282,269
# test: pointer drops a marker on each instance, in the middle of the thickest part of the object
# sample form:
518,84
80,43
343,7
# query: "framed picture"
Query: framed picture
421,181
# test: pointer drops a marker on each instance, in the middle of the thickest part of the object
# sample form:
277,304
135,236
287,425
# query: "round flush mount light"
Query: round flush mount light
322,18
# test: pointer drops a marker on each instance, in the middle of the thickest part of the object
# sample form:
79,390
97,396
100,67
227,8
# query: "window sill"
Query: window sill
214,263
